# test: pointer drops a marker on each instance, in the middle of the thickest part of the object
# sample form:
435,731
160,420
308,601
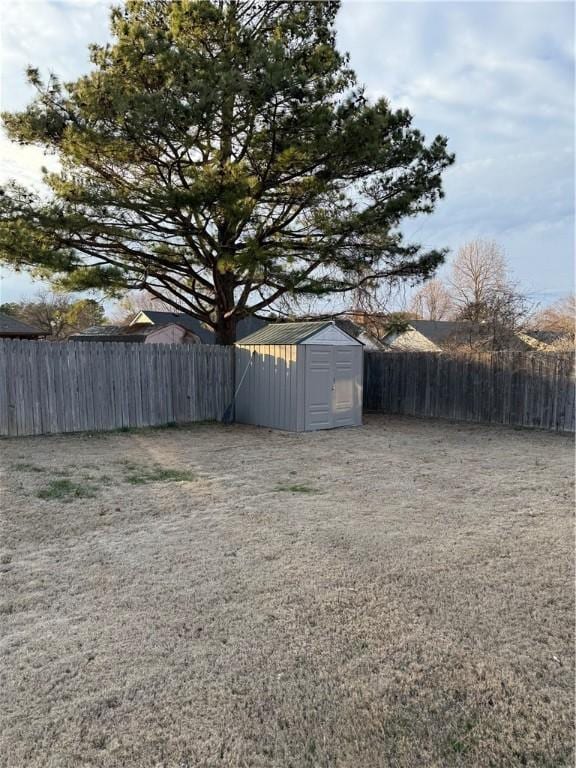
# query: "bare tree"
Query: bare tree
481,288
478,272
559,317
484,294
432,302
57,315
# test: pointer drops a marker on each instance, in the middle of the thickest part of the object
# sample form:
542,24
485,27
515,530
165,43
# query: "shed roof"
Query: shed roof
286,333
11,326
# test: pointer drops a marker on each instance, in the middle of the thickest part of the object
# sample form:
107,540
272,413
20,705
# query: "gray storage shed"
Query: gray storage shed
299,377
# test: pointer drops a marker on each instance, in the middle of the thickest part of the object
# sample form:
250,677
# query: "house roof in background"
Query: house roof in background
438,331
136,333
107,333
285,333
146,329
358,332
546,337
100,330
10,325
349,327
206,335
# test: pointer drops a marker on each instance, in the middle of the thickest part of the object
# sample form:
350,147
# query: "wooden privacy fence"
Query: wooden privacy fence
524,389
48,387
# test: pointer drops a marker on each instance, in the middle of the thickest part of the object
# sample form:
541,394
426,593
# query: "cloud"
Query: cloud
498,80
24,164
53,36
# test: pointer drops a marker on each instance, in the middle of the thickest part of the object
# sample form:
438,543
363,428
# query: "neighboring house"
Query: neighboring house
429,336
151,327
140,333
11,328
444,335
369,341
547,341
203,332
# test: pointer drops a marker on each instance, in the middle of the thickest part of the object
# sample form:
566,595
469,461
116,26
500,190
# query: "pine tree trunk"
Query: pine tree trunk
225,331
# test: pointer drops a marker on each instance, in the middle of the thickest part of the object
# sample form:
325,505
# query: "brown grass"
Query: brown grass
415,610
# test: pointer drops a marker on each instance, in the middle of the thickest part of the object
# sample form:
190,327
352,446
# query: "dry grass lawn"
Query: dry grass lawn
399,595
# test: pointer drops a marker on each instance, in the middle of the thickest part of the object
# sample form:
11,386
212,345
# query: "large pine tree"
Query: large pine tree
220,154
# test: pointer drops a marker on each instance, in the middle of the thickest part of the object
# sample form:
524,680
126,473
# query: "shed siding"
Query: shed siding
301,388
268,395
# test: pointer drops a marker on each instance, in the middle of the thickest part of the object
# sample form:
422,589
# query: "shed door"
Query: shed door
319,382
333,382
344,388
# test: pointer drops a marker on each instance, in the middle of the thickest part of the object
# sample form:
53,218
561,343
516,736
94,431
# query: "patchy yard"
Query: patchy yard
399,595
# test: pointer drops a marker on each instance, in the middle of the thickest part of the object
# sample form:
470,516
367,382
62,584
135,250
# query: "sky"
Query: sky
496,78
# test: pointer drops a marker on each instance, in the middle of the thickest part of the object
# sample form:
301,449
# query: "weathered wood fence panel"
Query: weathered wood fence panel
57,387
518,388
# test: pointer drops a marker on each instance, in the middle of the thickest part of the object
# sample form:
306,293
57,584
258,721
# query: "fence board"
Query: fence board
51,387
4,398
522,389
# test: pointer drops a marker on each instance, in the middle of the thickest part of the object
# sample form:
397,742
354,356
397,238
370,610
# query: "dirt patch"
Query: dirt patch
395,595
